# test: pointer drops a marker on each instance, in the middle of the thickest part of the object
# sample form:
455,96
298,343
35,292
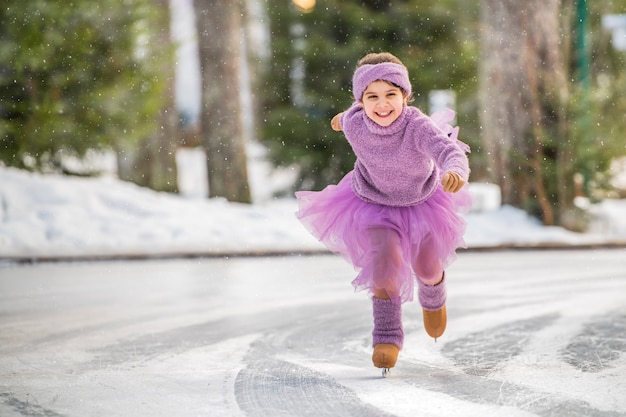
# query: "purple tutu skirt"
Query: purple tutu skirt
389,246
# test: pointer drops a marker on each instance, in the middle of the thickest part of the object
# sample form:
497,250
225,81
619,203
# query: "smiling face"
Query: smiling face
383,102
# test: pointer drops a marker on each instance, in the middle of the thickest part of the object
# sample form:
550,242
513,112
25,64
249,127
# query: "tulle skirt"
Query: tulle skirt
389,246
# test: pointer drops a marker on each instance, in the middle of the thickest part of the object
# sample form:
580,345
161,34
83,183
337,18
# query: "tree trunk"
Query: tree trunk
152,163
163,143
523,95
219,42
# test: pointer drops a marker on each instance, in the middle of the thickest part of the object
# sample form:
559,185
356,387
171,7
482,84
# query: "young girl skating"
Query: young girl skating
395,215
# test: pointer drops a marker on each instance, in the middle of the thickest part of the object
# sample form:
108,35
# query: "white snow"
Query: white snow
48,216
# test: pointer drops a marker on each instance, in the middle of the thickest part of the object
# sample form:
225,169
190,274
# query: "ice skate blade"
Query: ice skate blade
385,372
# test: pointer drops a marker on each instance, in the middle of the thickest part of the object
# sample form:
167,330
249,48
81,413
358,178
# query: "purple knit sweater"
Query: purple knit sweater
399,165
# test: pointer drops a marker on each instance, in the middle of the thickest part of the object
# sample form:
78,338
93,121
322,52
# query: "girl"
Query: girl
395,215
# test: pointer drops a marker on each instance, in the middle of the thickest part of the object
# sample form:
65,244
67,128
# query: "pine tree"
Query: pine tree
72,79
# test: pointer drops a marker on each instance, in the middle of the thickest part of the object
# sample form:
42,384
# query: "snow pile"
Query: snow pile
47,216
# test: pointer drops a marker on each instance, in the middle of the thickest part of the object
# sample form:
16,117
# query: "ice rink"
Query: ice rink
530,333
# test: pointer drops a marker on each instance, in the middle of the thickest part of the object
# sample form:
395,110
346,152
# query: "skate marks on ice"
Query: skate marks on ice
321,367
599,345
483,353
495,397
25,408
480,353
265,385
270,387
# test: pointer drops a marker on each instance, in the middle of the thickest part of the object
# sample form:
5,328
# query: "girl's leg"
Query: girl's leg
431,288
433,301
388,335
386,255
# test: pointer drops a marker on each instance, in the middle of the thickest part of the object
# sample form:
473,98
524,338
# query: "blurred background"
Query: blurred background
211,97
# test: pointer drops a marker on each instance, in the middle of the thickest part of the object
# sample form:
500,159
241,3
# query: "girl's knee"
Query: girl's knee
432,279
429,273
426,263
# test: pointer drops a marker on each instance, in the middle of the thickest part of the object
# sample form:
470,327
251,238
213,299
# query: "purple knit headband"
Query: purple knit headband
387,71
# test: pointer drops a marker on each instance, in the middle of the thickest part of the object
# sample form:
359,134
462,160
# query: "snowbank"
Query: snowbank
52,216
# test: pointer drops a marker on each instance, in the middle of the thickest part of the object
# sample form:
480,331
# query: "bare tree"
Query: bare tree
523,98
219,40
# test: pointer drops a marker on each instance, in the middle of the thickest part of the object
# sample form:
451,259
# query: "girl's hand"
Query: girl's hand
452,182
335,123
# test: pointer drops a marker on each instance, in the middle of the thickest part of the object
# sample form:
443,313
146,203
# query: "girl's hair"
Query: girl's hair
379,58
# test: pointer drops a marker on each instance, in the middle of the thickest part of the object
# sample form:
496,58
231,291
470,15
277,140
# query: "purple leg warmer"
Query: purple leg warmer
432,297
387,322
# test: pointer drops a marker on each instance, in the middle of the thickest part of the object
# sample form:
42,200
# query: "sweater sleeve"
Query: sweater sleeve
445,150
350,116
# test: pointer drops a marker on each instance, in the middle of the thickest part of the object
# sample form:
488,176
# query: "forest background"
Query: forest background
539,88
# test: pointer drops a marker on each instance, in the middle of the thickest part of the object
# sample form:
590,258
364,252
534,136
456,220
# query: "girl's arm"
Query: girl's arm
447,152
